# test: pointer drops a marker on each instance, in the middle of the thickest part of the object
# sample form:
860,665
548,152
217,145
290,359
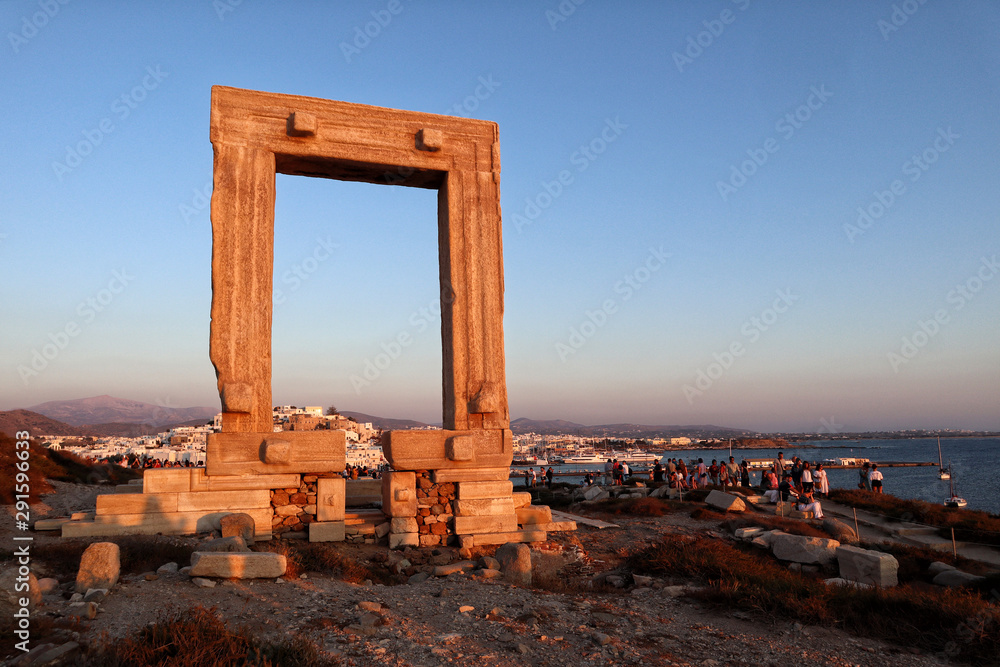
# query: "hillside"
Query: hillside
111,410
385,423
12,421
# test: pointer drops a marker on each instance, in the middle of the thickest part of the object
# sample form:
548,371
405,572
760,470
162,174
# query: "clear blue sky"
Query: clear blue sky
728,149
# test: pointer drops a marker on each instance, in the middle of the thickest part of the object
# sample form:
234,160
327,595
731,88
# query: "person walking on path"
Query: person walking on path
875,479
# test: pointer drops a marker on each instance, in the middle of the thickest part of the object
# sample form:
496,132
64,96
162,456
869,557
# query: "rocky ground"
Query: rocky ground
467,618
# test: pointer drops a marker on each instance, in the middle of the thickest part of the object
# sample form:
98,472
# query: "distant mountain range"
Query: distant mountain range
108,415
625,430
103,410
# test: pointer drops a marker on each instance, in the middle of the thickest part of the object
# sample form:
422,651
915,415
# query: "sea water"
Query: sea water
975,464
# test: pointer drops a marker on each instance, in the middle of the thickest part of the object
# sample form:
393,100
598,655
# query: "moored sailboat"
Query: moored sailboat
943,473
954,500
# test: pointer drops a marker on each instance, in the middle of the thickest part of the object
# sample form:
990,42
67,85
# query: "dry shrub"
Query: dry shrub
198,637
933,620
969,525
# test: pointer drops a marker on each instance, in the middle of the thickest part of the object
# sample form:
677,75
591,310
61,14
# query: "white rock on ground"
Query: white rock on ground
800,549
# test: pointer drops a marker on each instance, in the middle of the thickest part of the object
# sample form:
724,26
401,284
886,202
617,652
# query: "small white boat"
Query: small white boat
954,500
584,458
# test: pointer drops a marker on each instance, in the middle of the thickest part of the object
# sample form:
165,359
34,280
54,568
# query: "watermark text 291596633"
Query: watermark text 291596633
22,552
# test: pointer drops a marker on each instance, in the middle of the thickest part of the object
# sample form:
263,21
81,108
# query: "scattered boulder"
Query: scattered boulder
201,582
867,566
801,549
232,544
239,524
515,562
937,567
749,533
48,585
955,578
259,565
169,568
86,610
99,567
10,597
96,595
489,563
725,502
840,531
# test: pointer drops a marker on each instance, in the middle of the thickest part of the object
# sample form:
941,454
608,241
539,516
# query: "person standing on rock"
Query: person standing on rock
608,470
548,476
807,478
745,475
875,479
713,472
657,472
865,483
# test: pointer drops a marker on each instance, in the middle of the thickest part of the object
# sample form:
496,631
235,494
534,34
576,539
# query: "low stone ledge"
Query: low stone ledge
259,565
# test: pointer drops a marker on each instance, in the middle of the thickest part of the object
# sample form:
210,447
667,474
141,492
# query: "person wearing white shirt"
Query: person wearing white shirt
875,477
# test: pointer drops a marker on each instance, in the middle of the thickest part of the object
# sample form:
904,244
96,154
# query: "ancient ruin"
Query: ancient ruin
446,486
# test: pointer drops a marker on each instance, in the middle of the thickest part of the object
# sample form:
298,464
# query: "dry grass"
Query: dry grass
199,637
969,525
46,464
327,558
639,506
138,554
934,620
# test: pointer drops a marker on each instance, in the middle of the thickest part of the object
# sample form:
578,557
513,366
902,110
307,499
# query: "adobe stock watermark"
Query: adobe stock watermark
704,39
914,168
958,297
122,106
829,426
581,158
751,330
562,12
301,271
87,311
363,35
419,321
626,288
482,92
223,7
32,24
786,126
199,202
900,14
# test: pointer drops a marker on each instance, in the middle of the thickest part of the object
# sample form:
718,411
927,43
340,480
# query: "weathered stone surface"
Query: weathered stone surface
401,540
399,494
448,449
747,534
239,524
840,531
474,490
484,507
470,475
403,525
202,482
46,585
237,565
515,562
201,582
99,567
937,567
471,525
168,568
225,545
267,453
50,524
166,480
331,498
527,535
86,610
359,492
955,578
800,549
521,499
725,502
867,566
533,515
95,595
327,531
595,493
